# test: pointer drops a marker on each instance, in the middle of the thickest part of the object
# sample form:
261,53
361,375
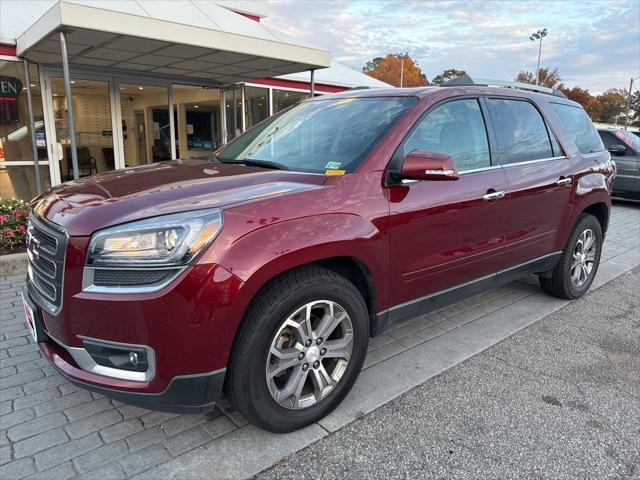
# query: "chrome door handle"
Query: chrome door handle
493,196
563,182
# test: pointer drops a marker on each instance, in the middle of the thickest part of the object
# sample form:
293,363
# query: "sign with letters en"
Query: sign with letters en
10,89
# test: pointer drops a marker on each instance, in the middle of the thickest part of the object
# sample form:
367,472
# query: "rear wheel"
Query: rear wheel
299,350
576,269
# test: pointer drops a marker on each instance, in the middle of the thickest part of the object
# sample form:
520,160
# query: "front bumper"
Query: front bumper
186,329
196,393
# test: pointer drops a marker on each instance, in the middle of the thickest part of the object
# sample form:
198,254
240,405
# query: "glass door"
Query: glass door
234,111
94,122
145,123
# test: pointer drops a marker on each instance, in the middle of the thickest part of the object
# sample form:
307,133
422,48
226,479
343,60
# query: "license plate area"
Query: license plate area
32,318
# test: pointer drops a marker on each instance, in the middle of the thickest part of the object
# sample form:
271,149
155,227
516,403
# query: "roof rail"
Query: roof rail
359,87
467,81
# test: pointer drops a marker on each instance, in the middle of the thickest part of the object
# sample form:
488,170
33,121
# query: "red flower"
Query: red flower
9,232
3,219
22,229
17,213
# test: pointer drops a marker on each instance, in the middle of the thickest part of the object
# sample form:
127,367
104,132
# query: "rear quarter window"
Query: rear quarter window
579,126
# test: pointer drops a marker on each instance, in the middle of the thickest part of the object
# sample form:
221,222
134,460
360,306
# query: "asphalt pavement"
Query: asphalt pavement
560,399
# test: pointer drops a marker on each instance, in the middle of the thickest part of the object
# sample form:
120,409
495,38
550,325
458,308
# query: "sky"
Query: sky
594,44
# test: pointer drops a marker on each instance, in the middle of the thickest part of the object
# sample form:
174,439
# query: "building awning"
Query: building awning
195,39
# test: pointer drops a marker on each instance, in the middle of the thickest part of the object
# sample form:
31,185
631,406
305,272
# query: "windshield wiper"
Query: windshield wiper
255,163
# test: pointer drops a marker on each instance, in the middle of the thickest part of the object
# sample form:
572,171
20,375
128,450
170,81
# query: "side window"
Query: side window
609,139
455,128
579,125
557,149
522,132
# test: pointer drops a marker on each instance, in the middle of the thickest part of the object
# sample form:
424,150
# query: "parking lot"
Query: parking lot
51,429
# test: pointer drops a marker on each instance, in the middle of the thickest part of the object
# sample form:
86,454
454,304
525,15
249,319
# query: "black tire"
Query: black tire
560,284
246,385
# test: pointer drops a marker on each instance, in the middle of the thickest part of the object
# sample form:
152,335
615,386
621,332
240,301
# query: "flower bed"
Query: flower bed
13,225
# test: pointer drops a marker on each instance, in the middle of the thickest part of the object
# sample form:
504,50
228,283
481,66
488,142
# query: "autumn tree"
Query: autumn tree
613,104
584,98
388,69
447,75
548,78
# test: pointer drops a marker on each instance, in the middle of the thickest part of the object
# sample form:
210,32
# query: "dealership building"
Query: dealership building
88,86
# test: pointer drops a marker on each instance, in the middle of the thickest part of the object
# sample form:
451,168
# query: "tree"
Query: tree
634,118
447,75
613,104
584,98
387,69
548,78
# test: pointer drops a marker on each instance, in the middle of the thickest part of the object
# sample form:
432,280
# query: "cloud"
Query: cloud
594,44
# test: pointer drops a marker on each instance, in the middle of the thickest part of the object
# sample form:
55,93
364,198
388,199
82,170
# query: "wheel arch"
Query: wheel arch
601,211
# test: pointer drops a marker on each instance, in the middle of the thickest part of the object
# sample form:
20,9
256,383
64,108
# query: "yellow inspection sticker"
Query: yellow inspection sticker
335,172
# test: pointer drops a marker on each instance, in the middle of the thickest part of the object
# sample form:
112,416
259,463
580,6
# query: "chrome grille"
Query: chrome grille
46,247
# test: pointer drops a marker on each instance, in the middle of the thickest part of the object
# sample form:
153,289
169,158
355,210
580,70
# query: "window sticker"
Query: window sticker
333,165
335,172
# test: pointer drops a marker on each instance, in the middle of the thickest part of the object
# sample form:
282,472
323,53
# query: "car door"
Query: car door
627,181
447,233
539,175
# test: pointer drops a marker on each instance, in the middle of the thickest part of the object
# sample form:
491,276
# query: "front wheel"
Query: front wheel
299,350
577,267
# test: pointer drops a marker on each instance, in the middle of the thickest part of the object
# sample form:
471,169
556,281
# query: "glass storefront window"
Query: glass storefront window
197,112
145,124
18,179
234,113
256,105
285,98
94,130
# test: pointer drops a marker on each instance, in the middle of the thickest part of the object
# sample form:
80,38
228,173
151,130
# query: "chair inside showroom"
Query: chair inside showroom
85,162
109,160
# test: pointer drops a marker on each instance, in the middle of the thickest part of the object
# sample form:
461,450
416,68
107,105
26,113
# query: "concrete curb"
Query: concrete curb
13,264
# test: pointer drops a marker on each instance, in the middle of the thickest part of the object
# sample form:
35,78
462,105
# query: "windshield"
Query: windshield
332,134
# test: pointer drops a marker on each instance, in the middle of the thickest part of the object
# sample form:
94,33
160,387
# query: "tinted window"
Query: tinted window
557,149
578,124
522,132
319,135
621,137
454,128
609,139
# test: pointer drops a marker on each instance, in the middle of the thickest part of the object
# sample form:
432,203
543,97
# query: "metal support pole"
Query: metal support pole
243,108
32,127
402,73
67,91
626,117
312,83
172,123
270,101
235,113
223,117
538,69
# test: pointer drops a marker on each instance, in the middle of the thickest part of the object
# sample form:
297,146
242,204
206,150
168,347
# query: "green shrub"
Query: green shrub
14,215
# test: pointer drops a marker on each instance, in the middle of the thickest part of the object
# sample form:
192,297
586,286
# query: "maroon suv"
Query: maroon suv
265,272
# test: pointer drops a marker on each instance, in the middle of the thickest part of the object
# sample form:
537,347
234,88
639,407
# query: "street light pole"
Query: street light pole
539,35
401,72
626,117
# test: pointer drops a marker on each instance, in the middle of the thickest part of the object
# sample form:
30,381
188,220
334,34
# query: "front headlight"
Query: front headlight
165,241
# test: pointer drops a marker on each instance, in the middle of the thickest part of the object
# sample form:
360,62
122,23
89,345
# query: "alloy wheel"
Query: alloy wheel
583,258
309,354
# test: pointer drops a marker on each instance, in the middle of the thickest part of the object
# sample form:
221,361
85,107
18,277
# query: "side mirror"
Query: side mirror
419,165
617,149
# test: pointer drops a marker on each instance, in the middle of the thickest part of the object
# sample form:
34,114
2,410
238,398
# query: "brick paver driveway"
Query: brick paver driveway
51,429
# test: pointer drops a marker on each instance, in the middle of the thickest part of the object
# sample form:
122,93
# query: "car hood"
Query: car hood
89,204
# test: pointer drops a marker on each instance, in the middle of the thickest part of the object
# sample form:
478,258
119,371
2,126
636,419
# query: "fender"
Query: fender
264,253
591,188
